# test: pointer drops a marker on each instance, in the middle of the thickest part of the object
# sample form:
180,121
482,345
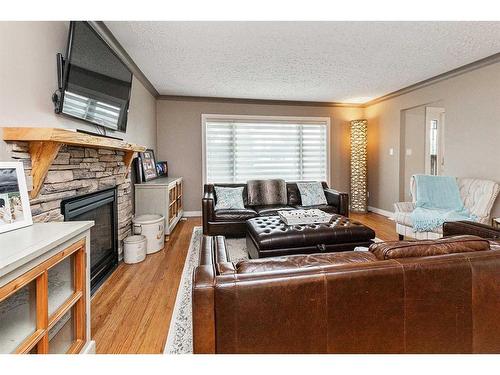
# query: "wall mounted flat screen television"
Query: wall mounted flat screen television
96,84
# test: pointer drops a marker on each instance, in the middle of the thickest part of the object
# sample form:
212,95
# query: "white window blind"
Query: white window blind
241,150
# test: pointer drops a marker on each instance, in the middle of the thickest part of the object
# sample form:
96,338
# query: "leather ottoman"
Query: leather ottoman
268,236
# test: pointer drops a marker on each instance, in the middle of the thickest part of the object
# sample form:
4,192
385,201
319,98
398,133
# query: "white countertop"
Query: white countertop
20,246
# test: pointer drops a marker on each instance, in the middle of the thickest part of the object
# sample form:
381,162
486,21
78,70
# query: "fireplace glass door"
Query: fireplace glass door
99,207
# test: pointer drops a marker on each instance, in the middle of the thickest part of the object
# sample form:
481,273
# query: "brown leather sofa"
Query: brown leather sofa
440,296
256,199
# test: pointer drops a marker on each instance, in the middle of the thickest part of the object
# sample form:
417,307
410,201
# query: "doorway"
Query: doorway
422,144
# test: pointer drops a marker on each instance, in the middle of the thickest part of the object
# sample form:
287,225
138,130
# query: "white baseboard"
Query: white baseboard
381,212
89,348
192,213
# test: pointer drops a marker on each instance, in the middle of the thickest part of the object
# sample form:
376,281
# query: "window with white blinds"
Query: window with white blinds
238,150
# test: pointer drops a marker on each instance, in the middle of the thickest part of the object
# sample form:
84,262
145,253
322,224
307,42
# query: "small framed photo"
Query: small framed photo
148,165
15,209
162,168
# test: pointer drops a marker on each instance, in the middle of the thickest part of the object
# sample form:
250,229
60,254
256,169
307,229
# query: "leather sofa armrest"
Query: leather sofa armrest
203,295
213,250
455,228
339,200
208,208
404,206
207,250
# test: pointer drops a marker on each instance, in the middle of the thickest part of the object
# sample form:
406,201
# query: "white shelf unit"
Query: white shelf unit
161,196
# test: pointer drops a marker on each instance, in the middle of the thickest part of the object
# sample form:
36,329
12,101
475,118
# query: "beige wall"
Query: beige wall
180,143
28,79
472,132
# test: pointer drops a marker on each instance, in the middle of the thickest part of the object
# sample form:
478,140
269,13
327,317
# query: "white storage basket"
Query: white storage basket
134,249
152,227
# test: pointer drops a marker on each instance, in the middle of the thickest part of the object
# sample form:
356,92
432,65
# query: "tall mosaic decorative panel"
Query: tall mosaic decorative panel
359,133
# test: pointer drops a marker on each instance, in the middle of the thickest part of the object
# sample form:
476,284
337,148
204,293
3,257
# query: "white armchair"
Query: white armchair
478,197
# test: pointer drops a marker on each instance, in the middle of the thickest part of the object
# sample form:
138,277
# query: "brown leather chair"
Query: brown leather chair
439,296
233,222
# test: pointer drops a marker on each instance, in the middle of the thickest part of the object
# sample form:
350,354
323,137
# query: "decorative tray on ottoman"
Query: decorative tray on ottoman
297,217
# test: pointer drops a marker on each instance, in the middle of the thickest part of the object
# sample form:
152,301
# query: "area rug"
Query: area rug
180,333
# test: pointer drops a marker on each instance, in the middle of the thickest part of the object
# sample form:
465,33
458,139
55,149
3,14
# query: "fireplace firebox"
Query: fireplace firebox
101,207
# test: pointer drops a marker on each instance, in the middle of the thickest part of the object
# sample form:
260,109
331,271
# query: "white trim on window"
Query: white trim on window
279,119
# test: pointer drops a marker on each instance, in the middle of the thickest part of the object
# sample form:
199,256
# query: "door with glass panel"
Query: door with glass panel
422,145
434,145
43,310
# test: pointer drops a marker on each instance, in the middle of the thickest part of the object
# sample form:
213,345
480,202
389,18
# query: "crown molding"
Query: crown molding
440,77
257,101
113,43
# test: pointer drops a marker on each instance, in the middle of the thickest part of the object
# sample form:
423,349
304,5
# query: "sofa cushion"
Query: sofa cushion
271,210
266,192
303,261
293,192
234,215
311,193
478,196
408,249
323,207
229,198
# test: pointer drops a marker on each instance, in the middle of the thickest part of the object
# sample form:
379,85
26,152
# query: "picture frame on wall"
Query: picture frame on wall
15,211
148,163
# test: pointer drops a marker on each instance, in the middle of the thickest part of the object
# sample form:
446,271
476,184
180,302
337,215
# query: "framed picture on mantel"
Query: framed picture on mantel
148,165
15,209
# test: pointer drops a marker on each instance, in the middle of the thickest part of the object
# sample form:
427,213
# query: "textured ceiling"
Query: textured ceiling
310,61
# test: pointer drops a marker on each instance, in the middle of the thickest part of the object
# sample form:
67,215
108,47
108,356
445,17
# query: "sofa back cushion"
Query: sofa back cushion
229,198
478,196
312,193
293,193
408,249
266,192
210,188
295,262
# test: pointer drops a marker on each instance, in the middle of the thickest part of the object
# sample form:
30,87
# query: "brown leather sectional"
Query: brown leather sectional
259,201
401,297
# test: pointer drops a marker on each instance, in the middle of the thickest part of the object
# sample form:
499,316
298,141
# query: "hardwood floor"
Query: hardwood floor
384,228
131,311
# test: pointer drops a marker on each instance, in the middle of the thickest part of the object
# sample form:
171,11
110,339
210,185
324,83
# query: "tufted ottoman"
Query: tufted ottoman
268,236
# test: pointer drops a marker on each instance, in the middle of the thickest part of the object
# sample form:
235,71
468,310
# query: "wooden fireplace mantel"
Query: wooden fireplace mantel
44,144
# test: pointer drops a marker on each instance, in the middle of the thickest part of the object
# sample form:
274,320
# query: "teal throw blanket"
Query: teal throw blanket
438,200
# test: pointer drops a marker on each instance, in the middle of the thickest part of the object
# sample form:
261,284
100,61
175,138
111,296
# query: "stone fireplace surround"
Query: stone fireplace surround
78,170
